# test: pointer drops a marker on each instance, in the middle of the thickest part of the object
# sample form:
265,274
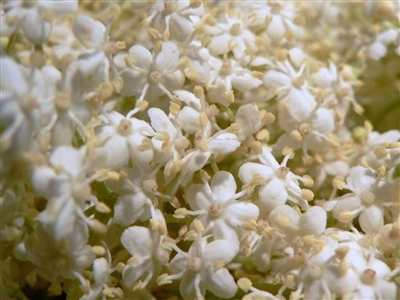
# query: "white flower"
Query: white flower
232,36
175,18
101,273
221,142
89,32
148,255
31,19
169,143
202,268
147,75
310,133
26,107
282,22
378,48
278,184
124,138
249,119
135,198
218,209
67,191
296,103
225,74
367,199
198,69
66,257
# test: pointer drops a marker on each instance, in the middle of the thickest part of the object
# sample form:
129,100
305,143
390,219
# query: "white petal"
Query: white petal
245,82
219,250
313,221
238,213
301,103
167,59
129,208
222,284
12,76
272,195
198,197
140,126
346,203
223,186
69,158
188,98
101,270
44,181
189,120
276,28
223,231
137,240
220,44
371,219
88,31
376,51
275,79
186,287
134,82
284,210
323,121
223,143
131,274
161,122
296,56
268,159
390,136
193,162
36,30
360,179
248,118
248,170
142,57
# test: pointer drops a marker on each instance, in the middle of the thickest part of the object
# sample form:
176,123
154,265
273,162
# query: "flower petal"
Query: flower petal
219,250
142,57
222,284
199,197
161,122
239,212
360,180
167,59
248,170
371,219
223,186
137,240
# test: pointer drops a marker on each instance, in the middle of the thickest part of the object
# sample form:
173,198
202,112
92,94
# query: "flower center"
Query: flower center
368,277
298,82
282,172
124,127
194,264
304,129
215,209
225,70
367,198
156,76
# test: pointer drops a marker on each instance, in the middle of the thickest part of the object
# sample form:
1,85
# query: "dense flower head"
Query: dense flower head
200,149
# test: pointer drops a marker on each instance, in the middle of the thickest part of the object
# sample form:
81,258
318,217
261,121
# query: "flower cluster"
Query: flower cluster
216,149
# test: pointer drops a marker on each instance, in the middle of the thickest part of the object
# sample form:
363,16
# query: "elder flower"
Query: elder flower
216,205
147,75
277,183
202,268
